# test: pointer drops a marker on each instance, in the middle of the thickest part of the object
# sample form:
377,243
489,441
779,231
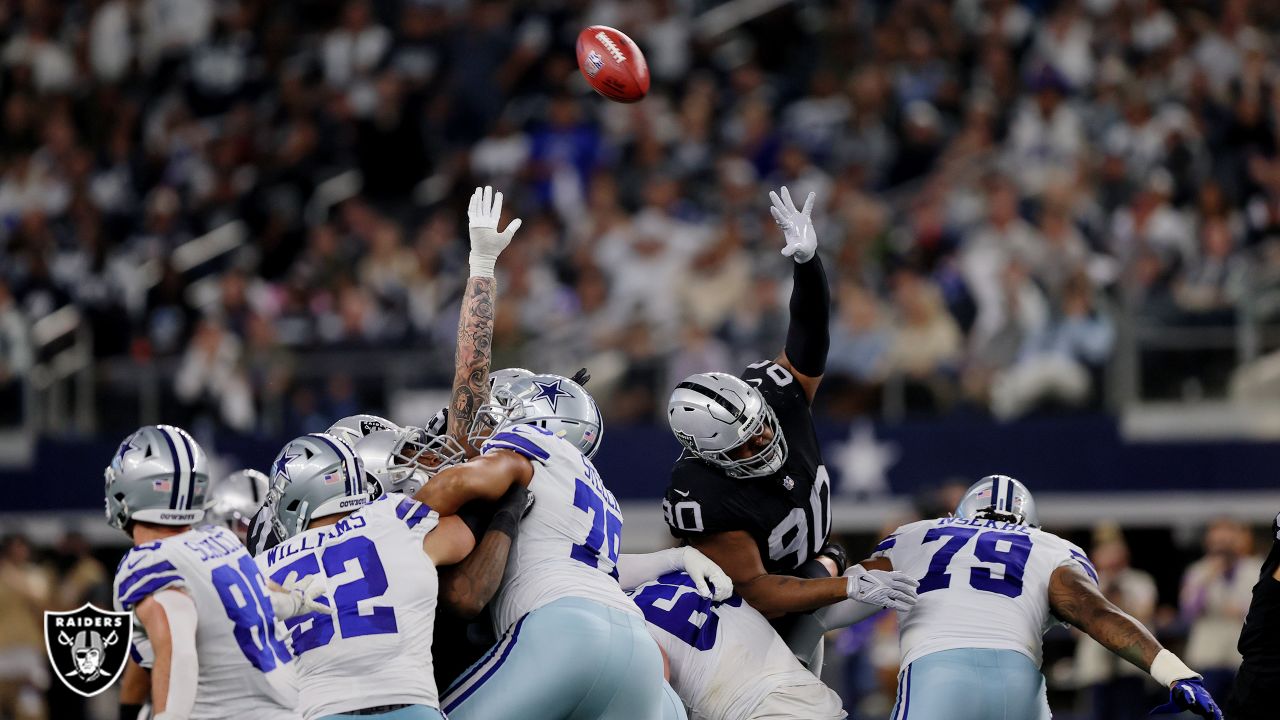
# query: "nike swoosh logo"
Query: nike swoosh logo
755,381
681,493
134,563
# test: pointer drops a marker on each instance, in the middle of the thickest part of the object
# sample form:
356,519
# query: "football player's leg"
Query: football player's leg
1023,686
944,686
541,668
630,685
673,706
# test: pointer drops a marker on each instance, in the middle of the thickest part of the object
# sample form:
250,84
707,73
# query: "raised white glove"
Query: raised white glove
486,242
886,588
296,597
708,579
797,227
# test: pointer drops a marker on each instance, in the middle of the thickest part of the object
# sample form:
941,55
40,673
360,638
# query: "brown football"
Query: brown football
612,64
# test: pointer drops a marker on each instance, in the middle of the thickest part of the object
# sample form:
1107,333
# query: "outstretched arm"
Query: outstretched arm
773,595
809,333
475,322
1077,600
1074,598
487,477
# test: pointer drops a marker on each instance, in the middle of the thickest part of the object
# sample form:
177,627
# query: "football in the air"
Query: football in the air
613,64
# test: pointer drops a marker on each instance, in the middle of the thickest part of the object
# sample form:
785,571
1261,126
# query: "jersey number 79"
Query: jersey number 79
1009,550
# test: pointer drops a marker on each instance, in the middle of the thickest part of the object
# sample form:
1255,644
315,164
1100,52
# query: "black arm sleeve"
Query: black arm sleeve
809,334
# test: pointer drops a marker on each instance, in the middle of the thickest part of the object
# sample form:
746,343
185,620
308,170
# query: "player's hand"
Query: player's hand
797,227
1189,696
486,242
708,579
296,597
518,501
886,588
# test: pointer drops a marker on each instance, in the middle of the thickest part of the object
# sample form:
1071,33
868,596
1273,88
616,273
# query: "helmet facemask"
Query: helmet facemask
765,461
504,408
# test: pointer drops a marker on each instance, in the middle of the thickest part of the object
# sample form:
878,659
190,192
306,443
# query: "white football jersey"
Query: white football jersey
235,630
983,584
376,647
725,657
570,539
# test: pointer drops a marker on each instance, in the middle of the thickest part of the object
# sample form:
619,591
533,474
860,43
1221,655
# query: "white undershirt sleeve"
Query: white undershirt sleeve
184,665
635,570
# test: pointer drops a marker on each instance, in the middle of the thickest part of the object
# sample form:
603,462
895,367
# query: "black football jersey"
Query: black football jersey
788,513
1260,638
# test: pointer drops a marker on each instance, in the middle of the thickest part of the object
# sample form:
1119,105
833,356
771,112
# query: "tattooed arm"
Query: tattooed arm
467,587
475,322
471,363
1074,598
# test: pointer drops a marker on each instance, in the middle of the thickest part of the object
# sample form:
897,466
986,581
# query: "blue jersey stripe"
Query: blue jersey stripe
1084,562
417,515
405,507
160,567
519,444
886,543
150,587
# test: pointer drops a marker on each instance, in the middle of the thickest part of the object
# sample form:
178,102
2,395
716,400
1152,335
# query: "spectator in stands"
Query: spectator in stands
211,382
1059,361
15,356
1117,690
25,589
1209,285
926,342
1215,596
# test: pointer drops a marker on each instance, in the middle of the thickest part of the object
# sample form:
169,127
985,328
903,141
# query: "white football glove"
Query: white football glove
886,588
710,581
486,242
297,597
797,227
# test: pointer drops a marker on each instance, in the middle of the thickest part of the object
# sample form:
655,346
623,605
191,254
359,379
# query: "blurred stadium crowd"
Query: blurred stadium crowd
1002,187
997,182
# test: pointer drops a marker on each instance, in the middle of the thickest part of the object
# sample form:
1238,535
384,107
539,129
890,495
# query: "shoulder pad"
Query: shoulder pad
145,570
532,442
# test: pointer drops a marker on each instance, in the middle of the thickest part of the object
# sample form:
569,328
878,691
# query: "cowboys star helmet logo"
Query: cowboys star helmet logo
551,392
88,646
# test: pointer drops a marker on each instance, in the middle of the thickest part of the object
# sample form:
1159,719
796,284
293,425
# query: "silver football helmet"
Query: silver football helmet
506,376
718,416
314,476
234,500
999,497
353,427
158,475
401,461
551,402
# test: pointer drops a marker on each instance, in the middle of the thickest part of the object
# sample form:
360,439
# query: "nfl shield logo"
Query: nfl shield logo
594,63
88,647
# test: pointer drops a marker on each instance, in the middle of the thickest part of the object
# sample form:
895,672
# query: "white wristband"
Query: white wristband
482,265
1168,668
